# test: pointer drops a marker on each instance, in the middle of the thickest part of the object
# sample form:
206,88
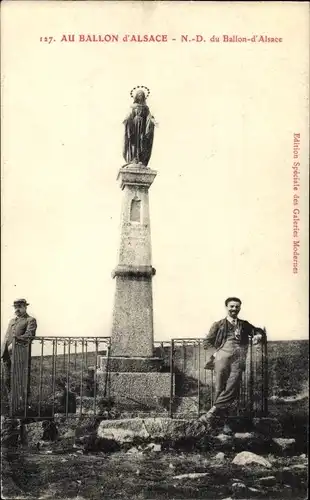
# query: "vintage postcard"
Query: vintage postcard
154,326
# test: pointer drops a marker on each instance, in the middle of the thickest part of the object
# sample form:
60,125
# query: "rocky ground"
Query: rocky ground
153,474
150,458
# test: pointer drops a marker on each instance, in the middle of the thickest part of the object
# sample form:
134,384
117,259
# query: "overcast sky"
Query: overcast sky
221,204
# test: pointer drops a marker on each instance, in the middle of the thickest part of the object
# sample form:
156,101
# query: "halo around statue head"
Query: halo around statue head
134,91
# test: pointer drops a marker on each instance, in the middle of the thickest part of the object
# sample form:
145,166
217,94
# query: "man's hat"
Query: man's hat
20,302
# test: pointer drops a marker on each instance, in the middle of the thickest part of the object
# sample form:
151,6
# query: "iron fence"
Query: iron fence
193,386
58,378
58,375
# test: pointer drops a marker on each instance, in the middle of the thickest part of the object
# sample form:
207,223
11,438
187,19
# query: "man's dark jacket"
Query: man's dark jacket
218,333
25,326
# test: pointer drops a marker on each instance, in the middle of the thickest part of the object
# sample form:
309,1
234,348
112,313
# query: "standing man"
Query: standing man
229,340
24,327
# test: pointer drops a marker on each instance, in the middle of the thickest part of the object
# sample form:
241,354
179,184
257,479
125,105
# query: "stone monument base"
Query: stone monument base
131,364
135,381
134,385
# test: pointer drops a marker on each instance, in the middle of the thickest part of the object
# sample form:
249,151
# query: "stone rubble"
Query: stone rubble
254,490
153,447
238,487
285,444
154,433
224,439
299,466
134,451
192,475
219,457
244,435
267,480
249,458
149,428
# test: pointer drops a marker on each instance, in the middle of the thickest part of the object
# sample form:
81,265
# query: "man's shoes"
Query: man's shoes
208,419
227,430
210,364
203,418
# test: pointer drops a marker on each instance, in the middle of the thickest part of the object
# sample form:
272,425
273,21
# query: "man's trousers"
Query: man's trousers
6,367
228,369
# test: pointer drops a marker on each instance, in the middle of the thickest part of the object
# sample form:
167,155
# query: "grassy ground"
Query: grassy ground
147,476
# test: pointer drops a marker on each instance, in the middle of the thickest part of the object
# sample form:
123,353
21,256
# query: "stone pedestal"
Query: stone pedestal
132,328
131,364
131,372
135,387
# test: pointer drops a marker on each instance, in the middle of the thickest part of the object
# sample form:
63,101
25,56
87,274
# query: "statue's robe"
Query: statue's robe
139,135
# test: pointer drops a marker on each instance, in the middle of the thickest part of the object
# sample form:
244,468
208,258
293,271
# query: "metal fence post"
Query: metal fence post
106,381
265,374
251,379
198,378
171,378
95,375
11,376
64,360
40,377
54,374
26,381
68,378
81,382
75,352
262,384
212,388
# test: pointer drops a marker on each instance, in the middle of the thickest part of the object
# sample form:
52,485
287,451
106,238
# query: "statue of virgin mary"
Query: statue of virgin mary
139,131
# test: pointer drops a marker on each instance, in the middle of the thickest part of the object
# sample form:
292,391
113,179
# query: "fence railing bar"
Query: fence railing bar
75,352
171,378
81,386
41,376
212,388
86,348
184,356
85,337
106,379
195,357
204,364
256,378
262,379
242,392
186,339
246,383
64,359
240,398
95,375
53,376
26,388
251,379
265,374
198,383
68,378
12,379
